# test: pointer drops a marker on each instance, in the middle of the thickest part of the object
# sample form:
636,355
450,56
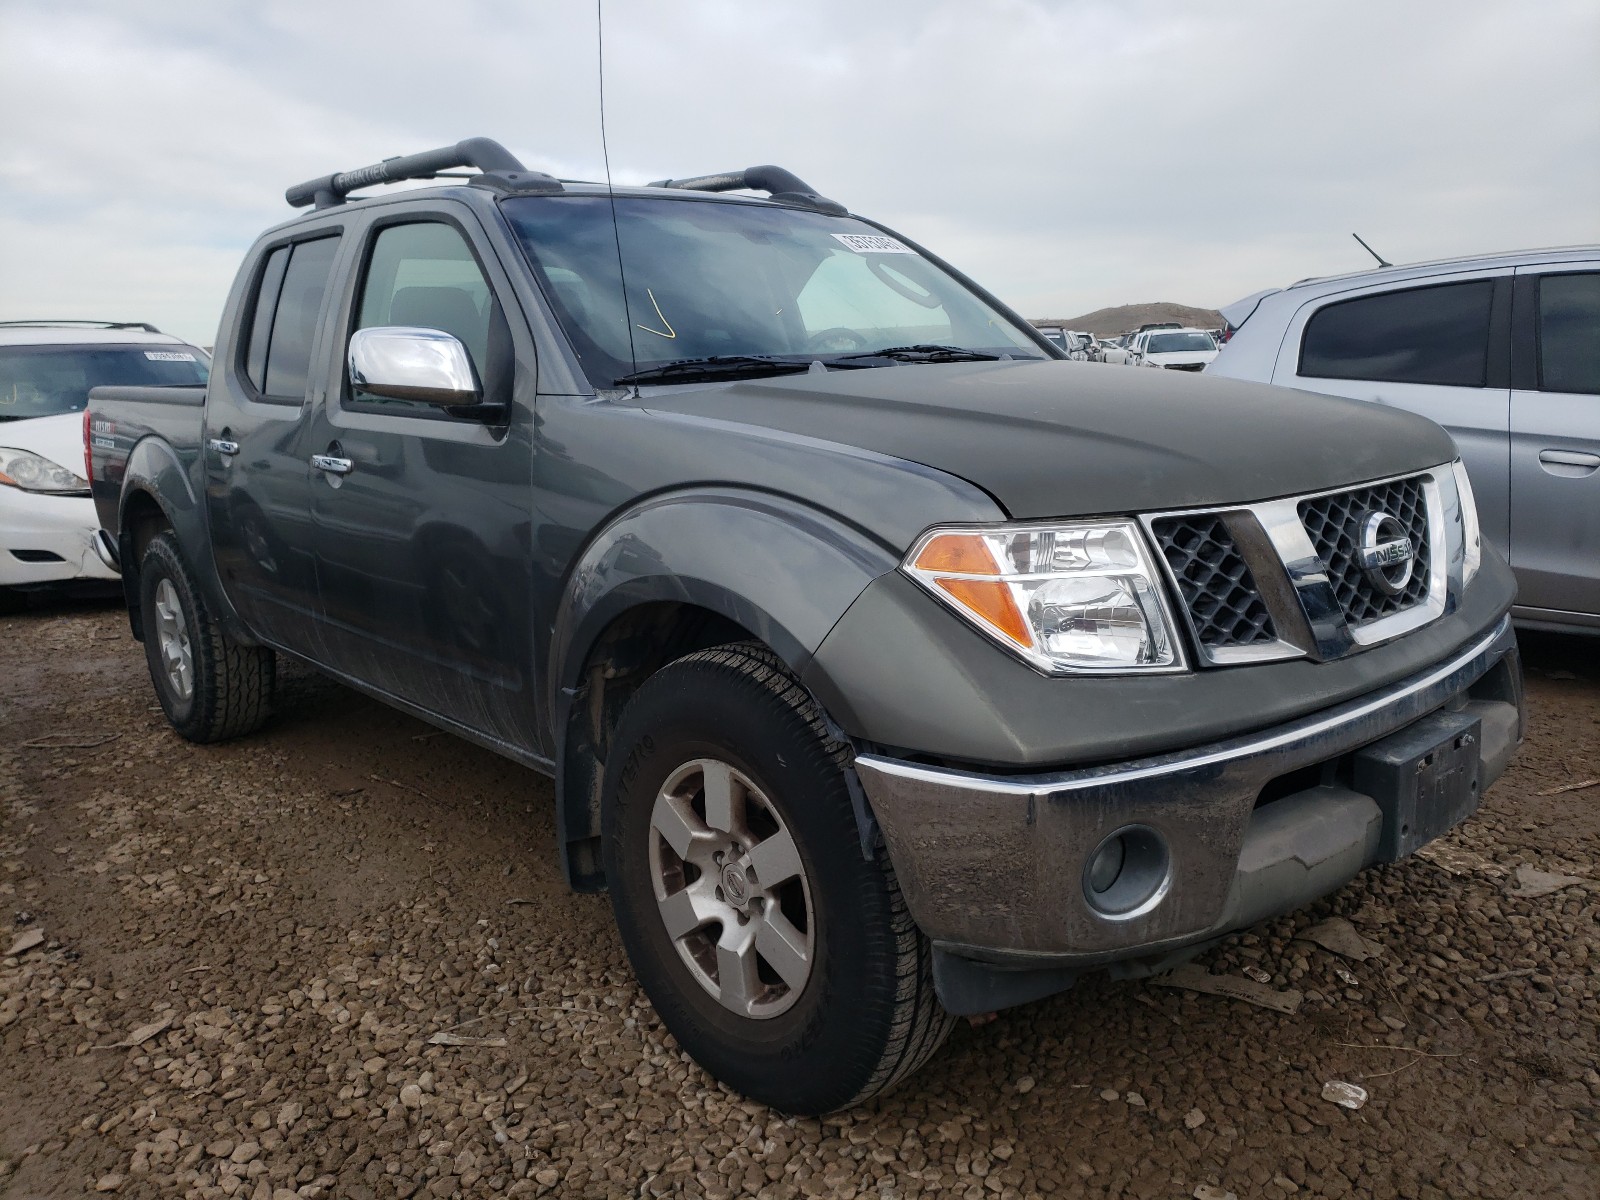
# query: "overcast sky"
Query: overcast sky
1068,154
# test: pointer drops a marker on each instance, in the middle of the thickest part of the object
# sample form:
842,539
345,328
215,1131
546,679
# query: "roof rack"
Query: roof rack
48,323
775,181
500,169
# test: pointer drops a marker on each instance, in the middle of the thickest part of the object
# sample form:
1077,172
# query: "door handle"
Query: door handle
1573,464
332,465
223,447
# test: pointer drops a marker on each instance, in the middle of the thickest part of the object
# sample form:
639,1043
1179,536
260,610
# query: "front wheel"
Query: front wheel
210,686
782,959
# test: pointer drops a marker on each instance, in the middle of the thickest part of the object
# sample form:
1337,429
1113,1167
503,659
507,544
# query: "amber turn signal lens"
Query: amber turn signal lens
992,601
957,554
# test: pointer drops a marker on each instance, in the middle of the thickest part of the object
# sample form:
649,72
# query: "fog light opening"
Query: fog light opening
1105,865
1128,872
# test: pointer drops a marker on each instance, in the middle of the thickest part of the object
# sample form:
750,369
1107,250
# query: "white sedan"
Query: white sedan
48,526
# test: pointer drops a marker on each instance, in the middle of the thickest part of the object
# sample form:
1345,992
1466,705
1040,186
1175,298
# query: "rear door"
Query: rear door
422,535
257,478
1438,349
1555,438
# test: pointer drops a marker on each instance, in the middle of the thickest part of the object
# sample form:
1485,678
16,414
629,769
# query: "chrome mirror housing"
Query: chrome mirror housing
403,362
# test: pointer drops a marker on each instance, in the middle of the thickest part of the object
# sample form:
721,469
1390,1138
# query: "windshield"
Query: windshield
1178,343
719,279
41,381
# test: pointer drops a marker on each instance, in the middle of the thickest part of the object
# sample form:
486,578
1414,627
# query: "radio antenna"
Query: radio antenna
1370,251
605,151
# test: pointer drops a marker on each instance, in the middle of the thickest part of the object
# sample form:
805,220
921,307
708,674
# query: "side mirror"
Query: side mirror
403,362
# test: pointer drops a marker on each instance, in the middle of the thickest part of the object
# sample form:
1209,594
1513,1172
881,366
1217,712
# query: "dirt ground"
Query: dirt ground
282,923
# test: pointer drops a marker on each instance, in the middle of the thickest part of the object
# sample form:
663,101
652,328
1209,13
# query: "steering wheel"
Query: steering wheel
841,339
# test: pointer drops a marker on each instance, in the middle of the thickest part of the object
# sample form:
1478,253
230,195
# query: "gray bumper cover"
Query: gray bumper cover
993,866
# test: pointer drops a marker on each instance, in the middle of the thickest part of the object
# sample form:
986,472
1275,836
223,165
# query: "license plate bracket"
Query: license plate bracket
1427,778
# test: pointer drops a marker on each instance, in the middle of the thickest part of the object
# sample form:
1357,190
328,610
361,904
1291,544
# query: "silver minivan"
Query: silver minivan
1504,352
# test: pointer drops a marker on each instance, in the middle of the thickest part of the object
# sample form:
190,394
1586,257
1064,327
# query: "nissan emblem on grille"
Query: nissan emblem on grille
1386,554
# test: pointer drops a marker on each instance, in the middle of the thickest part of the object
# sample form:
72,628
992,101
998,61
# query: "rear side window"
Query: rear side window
255,361
1437,335
1569,333
294,280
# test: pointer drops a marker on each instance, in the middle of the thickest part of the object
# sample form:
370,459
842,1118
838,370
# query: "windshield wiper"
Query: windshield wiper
923,353
717,366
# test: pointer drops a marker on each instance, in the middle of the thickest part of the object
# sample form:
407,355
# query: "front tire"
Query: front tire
211,687
782,960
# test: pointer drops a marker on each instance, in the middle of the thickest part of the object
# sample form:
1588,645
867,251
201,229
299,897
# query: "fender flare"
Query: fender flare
782,569
155,470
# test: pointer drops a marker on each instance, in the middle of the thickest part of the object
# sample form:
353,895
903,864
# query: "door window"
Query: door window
1437,335
424,274
286,365
1569,333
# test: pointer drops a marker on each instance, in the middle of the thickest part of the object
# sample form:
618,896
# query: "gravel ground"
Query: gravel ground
281,925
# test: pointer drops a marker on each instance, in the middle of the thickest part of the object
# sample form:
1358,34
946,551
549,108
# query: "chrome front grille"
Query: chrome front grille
1224,605
1334,524
1284,578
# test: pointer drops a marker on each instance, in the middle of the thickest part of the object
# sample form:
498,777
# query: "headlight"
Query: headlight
1471,537
1065,598
34,473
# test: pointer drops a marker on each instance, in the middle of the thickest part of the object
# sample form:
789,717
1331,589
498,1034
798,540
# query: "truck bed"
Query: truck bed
121,417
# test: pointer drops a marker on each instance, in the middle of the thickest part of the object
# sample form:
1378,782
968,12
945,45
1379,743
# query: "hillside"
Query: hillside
1108,322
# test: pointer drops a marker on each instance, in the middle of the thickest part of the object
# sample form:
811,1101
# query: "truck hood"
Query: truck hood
1056,439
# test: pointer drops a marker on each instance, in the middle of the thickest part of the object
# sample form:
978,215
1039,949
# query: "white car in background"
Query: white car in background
49,533
1175,349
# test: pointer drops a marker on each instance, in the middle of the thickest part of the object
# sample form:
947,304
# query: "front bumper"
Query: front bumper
49,539
994,867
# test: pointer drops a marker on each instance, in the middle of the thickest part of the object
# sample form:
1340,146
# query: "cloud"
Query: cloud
1067,155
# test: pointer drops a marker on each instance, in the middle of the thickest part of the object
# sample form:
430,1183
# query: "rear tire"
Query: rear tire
211,687
723,756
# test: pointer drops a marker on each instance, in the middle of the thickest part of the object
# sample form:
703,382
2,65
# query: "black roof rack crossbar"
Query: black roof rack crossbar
483,154
775,181
46,322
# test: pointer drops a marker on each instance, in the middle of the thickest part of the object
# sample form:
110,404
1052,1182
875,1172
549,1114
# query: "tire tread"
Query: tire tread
918,1024
233,683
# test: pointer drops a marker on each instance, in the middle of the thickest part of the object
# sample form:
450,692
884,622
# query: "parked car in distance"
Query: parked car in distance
49,534
1070,342
1503,350
889,668
1176,349
1056,336
1115,350
1149,325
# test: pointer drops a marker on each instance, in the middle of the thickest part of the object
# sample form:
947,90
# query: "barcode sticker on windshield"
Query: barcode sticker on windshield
873,243
169,356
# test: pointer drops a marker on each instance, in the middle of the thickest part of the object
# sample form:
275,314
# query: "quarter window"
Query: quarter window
1437,335
1569,333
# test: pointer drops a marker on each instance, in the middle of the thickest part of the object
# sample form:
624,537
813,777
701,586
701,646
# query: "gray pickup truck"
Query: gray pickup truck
889,668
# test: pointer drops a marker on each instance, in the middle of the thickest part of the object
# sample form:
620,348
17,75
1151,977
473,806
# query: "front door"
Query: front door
421,518
257,479
1555,439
